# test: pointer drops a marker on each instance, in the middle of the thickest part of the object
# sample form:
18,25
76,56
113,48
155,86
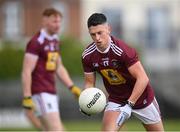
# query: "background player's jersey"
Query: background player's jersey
47,49
113,65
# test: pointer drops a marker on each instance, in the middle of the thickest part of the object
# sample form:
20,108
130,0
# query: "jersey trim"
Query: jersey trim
89,50
43,34
118,51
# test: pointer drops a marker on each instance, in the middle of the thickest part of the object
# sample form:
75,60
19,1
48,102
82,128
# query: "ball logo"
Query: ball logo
94,100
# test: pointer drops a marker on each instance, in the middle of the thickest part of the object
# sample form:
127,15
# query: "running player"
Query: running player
41,61
124,78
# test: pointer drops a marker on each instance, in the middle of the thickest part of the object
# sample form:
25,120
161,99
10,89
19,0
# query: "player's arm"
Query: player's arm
63,75
29,64
138,72
90,79
142,80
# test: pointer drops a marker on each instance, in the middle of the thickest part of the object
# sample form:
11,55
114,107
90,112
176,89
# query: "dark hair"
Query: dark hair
96,19
51,11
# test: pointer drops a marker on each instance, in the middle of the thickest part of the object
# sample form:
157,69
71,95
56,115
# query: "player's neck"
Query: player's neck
105,48
47,35
48,32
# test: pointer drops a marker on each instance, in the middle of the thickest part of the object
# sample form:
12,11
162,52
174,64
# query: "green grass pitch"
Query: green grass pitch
90,125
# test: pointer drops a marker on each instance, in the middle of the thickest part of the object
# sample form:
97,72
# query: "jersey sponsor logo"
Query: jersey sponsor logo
104,59
113,77
118,51
51,61
89,50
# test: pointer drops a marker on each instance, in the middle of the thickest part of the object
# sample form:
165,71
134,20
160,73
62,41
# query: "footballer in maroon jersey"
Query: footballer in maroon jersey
113,67
41,61
47,49
124,78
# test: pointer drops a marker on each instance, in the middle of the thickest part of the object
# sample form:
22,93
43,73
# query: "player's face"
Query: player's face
52,24
100,35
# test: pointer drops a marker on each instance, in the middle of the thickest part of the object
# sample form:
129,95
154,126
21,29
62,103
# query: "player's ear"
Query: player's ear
109,29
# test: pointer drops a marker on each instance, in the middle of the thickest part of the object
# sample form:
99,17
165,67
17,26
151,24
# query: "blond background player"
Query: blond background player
42,61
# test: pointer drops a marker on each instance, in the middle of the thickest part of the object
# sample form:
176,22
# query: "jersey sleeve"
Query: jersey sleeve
33,47
130,56
87,66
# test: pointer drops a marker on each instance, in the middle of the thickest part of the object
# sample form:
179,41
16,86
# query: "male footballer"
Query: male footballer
42,61
124,77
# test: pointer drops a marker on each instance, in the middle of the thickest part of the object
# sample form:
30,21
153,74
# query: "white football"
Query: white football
92,101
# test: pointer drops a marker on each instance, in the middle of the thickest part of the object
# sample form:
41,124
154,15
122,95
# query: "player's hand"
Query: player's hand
124,115
28,103
84,113
76,91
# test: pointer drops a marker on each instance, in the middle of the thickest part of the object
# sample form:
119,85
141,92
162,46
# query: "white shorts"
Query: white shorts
148,115
45,103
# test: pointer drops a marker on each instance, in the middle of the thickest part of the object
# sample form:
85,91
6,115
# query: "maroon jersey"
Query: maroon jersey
113,65
47,49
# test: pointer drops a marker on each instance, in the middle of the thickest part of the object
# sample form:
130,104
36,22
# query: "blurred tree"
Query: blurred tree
71,50
10,61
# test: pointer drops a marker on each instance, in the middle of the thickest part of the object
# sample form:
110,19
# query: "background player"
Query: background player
41,61
124,78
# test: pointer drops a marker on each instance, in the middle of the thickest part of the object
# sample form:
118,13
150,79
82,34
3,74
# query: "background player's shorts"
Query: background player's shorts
45,103
148,115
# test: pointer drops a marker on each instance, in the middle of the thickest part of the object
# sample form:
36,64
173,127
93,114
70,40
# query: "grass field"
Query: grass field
133,125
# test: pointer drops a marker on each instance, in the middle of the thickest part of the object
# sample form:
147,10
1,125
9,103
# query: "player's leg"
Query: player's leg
48,111
154,127
150,117
110,117
109,121
33,119
52,121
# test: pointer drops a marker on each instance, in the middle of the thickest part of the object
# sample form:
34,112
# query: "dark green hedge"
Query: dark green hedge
10,62
71,50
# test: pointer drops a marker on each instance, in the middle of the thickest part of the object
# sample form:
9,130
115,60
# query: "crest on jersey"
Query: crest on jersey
115,63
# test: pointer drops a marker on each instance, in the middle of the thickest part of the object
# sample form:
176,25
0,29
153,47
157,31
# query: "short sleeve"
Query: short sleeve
130,56
33,47
87,66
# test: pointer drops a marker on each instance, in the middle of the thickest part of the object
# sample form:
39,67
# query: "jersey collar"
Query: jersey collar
49,37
